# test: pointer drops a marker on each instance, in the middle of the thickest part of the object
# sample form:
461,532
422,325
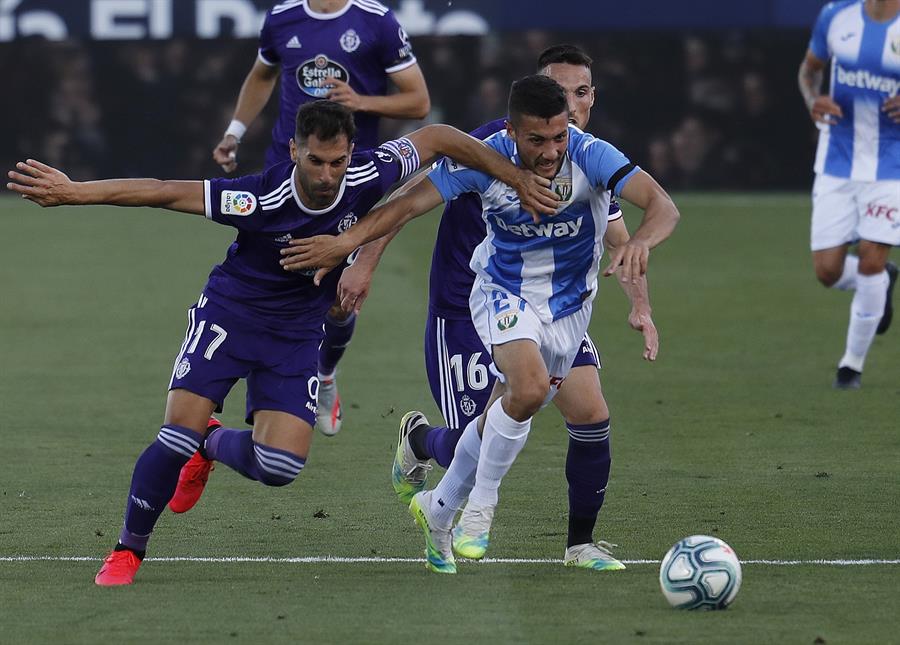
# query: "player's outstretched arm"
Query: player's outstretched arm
822,108
47,186
534,192
638,293
660,218
325,252
255,93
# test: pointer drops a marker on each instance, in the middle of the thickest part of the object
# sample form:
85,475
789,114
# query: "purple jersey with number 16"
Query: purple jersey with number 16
360,44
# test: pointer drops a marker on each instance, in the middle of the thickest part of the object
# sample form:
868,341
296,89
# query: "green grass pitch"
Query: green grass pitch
734,432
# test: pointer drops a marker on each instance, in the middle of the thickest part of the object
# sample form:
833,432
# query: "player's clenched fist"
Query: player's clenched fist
225,154
41,184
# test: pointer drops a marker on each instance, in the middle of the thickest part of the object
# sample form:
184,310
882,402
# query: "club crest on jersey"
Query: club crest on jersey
350,41
562,186
895,46
507,321
183,368
313,76
235,202
467,405
349,220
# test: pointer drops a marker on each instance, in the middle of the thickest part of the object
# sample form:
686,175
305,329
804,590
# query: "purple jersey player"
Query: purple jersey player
254,320
457,362
346,51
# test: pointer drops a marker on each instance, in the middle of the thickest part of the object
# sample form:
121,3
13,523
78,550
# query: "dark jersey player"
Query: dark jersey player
347,51
254,320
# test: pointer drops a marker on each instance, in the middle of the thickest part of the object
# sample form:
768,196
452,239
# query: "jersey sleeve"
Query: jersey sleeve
236,202
453,179
605,166
394,49
268,51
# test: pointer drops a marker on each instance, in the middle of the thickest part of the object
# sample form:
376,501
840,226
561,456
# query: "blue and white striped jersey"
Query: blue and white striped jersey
865,70
552,265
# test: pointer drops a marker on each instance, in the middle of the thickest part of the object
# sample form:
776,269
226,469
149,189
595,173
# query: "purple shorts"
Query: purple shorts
458,368
220,348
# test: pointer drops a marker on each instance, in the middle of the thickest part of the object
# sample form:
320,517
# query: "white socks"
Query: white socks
502,440
847,281
865,314
452,491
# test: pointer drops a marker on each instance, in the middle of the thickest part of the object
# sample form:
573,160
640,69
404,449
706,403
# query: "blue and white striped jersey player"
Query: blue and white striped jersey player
254,320
348,51
458,364
856,194
536,279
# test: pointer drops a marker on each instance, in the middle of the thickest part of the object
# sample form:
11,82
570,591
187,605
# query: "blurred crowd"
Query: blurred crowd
699,111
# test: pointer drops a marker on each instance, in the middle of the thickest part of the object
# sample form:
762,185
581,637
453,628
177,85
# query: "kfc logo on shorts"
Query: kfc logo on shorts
467,405
237,203
183,368
882,210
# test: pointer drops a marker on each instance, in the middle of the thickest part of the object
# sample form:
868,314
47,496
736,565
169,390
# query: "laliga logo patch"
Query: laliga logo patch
237,203
350,41
183,368
349,220
313,76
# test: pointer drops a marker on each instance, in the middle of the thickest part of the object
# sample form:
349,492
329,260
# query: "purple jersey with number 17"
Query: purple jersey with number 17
268,213
360,44
462,228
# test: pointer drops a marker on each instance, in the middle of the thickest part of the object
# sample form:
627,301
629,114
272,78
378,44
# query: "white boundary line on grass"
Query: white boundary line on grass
363,560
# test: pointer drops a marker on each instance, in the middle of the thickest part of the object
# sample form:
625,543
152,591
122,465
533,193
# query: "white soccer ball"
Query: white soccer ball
700,572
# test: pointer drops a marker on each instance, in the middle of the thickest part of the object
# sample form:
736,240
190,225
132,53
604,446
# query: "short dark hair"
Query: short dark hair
325,119
570,54
536,95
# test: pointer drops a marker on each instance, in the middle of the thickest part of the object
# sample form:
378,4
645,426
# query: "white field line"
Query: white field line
363,560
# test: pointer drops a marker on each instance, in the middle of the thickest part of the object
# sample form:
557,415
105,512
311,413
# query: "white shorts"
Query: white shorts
845,211
500,317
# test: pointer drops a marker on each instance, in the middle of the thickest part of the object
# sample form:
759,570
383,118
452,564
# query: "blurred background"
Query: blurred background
701,93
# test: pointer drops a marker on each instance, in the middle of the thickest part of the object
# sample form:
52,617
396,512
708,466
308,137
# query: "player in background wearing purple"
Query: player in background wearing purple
856,194
254,320
531,301
346,51
457,363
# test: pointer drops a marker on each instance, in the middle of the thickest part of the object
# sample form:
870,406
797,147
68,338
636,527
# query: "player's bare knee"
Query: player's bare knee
526,400
828,275
277,467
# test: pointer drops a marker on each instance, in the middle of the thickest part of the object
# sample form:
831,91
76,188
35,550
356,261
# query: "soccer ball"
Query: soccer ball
700,572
